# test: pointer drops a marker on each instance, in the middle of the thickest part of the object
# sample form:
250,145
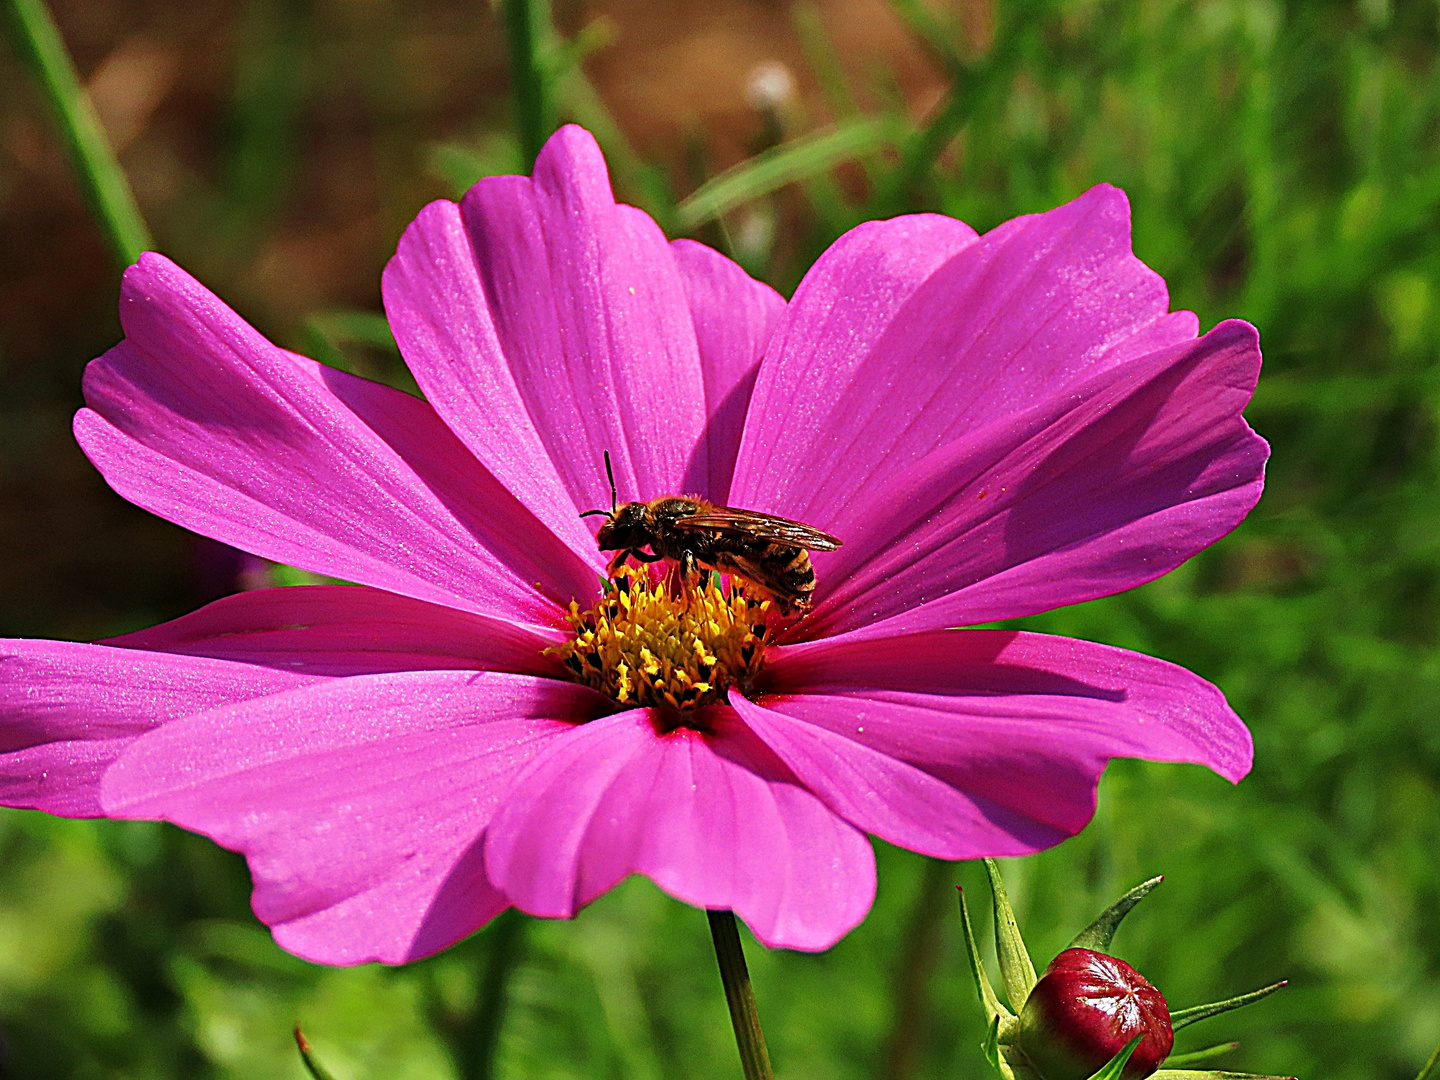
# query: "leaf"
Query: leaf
795,159
1112,1069
994,1011
1203,1012
1016,969
1429,1066
1207,1074
1099,933
1194,1057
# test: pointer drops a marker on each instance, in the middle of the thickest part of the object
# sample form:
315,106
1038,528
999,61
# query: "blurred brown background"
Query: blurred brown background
277,149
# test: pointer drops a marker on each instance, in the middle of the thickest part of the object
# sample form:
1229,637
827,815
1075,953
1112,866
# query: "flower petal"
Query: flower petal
1018,725
886,795
67,709
357,802
199,419
713,819
863,378
349,630
1101,488
548,324
734,316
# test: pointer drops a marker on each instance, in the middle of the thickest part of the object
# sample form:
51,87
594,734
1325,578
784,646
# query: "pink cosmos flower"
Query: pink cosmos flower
994,425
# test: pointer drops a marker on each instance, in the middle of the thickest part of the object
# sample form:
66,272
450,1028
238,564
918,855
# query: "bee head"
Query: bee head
624,525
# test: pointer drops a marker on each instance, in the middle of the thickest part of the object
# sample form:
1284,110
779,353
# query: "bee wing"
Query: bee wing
727,519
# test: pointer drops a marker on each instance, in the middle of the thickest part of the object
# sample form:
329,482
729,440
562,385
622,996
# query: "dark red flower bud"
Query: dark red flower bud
1085,1009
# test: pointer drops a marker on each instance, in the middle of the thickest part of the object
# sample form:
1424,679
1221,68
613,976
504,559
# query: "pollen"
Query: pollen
648,644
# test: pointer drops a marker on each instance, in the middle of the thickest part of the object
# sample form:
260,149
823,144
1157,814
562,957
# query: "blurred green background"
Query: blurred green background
1283,165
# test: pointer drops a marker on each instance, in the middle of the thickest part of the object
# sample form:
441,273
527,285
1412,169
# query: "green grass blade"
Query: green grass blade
796,159
932,33
820,54
968,87
38,41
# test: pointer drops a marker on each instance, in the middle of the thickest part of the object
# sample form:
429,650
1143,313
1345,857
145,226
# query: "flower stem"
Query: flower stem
308,1059
749,1039
38,41
523,28
507,944
912,983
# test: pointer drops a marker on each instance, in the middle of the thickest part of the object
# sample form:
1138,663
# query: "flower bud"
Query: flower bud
1085,1009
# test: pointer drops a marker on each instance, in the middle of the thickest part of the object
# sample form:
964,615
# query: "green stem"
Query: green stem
308,1059
39,43
912,986
749,1039
527,80
1430,1065
507,945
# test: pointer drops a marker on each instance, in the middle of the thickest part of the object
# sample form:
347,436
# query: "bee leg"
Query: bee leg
689,572
629,553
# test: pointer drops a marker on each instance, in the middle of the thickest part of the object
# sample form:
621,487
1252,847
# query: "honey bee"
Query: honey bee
771,553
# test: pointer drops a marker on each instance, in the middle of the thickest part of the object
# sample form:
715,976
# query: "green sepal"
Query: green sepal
1016,970
1194,1057
307,1057
995,1013
1015,1065
1112,1069
1188,1016
1207,1074
1098,934
1008,1061
991,1046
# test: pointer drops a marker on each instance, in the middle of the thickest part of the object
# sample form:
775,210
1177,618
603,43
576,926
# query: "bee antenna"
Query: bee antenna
609,472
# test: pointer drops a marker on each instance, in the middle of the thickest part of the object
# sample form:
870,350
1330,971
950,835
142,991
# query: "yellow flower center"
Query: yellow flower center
645,645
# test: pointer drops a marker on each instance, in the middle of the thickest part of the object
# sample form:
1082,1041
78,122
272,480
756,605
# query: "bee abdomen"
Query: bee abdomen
797,575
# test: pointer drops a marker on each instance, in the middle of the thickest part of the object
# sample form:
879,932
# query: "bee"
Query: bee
771,553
